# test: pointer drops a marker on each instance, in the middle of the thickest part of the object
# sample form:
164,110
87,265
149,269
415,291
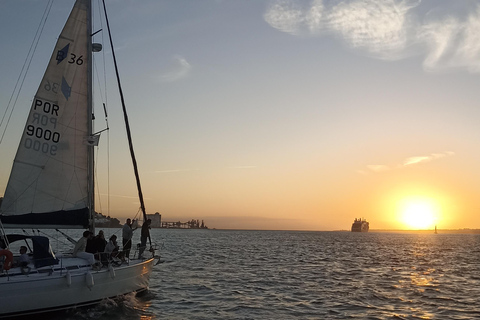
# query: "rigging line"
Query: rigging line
57,239
3,235
102,98
108,158
105,106
97,183
98,80
127,125
24,71
67,237
103,57
103,53
136,215
108,172
96,154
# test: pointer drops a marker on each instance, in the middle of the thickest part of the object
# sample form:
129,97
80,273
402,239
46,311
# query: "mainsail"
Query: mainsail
49,183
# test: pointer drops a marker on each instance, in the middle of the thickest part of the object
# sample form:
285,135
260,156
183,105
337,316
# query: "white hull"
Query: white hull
41,292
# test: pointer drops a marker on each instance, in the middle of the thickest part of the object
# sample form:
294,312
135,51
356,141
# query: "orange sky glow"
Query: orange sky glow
282,114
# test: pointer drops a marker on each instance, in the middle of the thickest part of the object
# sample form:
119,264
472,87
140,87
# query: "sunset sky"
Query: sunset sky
298,115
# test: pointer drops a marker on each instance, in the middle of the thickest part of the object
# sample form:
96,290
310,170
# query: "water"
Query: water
215,274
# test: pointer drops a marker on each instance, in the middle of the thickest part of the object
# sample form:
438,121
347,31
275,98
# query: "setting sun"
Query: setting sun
419,213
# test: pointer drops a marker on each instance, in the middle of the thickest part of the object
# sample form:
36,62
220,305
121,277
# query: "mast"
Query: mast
127,125
90,156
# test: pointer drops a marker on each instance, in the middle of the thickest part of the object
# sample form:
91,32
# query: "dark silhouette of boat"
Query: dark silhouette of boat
360,225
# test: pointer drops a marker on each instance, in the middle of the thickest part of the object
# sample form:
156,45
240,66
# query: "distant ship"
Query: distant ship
360,225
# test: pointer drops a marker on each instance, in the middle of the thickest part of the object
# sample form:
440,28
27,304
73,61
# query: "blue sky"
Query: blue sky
280,114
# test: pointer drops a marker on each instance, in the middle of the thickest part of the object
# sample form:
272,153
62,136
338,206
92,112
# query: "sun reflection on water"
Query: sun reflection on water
424,279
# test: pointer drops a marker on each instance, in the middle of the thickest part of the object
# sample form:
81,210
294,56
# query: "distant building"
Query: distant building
156,220
102,221
192,224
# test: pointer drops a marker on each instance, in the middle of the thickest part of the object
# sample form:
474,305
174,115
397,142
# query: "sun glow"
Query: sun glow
419,213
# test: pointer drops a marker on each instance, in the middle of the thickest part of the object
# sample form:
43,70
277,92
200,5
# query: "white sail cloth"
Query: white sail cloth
50,170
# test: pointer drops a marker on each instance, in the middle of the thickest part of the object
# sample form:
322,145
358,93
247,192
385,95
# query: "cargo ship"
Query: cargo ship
360,225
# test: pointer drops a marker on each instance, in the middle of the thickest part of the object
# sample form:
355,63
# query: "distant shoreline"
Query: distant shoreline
430,231
468,231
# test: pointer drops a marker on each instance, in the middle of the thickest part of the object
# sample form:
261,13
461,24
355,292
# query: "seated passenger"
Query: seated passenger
24,260
112,248
97,245
79,250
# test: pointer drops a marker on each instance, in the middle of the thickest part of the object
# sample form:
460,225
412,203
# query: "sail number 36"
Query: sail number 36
75,59
43,134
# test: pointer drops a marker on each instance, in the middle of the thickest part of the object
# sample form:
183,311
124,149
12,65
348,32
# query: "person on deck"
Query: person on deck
127,234
90,246
79,250
145,234
97,244
112,248
24,260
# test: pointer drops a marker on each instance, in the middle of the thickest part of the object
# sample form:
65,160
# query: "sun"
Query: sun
419,213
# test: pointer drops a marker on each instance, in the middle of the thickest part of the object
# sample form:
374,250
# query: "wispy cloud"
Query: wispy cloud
292,17
179,68
387,29
174,170
190,170
378,26
433,156
377,168
452,43
415,160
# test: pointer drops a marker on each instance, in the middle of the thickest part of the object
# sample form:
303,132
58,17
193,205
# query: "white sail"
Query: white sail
48,185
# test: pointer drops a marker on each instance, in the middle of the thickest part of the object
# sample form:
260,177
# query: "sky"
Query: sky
285,115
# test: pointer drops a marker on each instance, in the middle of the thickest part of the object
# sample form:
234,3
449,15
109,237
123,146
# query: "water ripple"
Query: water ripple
214,274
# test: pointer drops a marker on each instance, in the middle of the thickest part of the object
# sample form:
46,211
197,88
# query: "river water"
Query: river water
226,274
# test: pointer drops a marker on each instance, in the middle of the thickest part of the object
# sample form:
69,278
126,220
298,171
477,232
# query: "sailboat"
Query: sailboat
51,186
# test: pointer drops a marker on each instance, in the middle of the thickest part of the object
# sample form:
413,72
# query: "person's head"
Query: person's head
23,249
101,234
113,238
87,234
149,221
129,221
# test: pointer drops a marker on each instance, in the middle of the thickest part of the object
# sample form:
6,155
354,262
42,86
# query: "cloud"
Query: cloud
378,26
291,17
388,29
415,160
452,43
433,156
179,68
377,168
174,170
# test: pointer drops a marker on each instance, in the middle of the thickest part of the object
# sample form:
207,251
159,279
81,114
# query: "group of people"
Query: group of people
96,248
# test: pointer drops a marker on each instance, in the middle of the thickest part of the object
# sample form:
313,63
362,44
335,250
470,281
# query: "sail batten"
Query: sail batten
48,184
